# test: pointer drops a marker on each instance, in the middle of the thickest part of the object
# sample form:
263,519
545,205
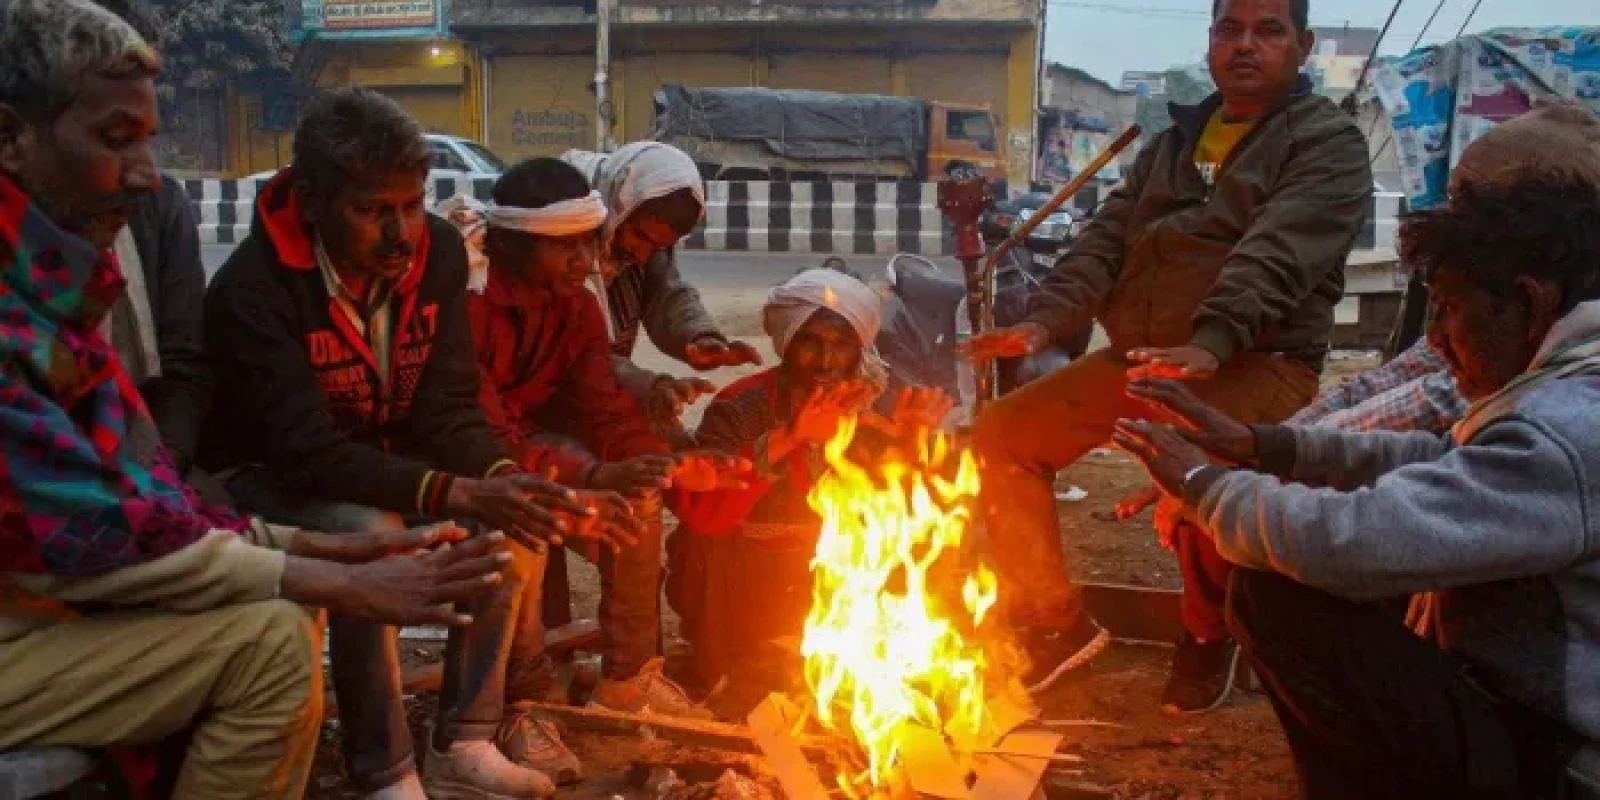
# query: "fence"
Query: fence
847,218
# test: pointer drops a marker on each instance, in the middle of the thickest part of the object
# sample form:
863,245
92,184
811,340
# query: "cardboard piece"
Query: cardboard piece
770,725
1007,716
1011,777
932,769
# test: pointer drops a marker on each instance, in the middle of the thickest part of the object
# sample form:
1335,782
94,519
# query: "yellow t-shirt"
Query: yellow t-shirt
1216,142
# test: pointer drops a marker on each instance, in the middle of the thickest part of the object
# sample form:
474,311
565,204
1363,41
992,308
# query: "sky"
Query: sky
1109,37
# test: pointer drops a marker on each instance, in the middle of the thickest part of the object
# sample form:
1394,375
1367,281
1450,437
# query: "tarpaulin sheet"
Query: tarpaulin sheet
1441,99
799,125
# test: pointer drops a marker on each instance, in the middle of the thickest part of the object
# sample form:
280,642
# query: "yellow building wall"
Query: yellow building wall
431,80
838,72
540,101
977,79
540,105
250,148
1022,105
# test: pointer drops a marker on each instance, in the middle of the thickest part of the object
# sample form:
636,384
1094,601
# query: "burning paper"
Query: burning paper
892,645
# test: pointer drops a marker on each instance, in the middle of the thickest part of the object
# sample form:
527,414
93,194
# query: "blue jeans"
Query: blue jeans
378,748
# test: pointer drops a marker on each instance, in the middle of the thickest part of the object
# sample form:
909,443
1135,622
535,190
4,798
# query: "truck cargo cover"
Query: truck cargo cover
800,125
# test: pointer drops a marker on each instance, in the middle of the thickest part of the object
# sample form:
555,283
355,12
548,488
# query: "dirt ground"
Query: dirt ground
1236,752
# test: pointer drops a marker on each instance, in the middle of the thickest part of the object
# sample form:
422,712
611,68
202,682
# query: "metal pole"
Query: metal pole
602,75
485,56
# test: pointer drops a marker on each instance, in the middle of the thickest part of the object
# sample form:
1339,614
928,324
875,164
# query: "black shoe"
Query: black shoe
1054,653
1202,676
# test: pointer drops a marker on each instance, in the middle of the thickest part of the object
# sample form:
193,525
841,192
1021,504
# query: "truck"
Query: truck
744,133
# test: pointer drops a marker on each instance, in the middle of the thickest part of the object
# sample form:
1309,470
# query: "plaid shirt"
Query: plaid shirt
1412,392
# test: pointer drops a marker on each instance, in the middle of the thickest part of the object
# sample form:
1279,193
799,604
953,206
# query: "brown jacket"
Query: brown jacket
1255,262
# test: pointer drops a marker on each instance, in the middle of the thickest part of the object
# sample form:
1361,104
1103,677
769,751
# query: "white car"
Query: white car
454,157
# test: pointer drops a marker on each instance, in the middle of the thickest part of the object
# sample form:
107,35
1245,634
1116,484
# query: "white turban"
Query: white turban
637,173
566,218
792,304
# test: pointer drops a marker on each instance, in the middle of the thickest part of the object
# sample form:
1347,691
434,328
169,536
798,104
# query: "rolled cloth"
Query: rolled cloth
566,218
790,305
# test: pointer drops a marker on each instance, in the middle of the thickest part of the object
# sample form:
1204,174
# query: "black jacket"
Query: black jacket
298,392
166,234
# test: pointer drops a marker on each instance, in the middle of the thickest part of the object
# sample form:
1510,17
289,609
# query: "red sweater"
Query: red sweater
543,357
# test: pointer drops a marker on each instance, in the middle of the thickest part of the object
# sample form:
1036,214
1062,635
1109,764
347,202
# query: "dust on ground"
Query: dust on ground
1236,752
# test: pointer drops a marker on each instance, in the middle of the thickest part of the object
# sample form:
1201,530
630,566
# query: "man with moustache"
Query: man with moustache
1218,261
1494,689
130,611
347,400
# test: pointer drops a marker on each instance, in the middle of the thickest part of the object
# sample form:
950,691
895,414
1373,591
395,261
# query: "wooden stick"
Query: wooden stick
1075,723
1055,758
689,732
1020,235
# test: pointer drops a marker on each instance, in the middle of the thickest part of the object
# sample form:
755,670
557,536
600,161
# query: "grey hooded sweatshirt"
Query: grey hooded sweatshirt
1501,521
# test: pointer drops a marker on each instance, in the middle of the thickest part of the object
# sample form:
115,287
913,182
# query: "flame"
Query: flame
889,641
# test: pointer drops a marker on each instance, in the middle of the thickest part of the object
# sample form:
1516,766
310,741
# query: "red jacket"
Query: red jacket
737,418
543,357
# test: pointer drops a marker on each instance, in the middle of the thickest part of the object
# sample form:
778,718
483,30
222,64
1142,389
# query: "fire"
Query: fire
898,600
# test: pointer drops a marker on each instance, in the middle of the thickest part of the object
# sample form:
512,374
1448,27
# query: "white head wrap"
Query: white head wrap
627,178
566,218
636,173
792,304
473,218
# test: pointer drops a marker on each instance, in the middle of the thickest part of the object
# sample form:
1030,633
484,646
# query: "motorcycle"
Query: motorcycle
925,320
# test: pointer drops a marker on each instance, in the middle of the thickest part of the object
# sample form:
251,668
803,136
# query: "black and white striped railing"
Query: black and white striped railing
862,218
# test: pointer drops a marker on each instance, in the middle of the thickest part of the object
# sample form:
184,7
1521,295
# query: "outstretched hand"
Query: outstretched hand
711,352
1182,363
1166,455
633,476
533,510
419,589
1026,339
670,395
607,519
360,548
1204,425
709,470
819,416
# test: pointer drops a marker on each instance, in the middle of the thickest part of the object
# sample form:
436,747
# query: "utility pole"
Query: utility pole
602,76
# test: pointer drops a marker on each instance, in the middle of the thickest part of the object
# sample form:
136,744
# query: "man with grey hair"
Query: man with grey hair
130,611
